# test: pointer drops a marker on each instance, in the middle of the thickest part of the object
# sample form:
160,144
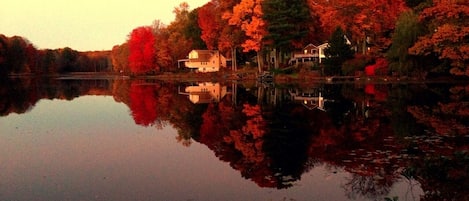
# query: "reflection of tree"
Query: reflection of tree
274,145
291,128
143,103
362,142
15,96
238,142
444,177
19,95
371,187
447,117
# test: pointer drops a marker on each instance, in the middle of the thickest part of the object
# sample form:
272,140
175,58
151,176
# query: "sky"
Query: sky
84,25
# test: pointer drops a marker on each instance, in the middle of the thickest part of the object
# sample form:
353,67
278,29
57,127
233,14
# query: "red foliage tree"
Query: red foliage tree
208,20
142,50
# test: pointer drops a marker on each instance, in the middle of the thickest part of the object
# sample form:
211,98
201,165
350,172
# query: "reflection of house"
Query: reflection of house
205,60
311,99
206,92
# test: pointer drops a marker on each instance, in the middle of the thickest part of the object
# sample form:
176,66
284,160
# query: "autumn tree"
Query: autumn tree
248,16
67,60
3,55
231,37
32,62
48,62
287,24
209,20
368,21
163,58
337,52
119,58
216,31
448,34
16,54
142,50
178,41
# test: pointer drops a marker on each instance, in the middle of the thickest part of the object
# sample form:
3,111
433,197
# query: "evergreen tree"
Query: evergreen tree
337,53
287,23
408,29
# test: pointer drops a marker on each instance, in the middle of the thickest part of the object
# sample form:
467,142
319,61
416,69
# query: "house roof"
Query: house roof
310,45
324,45
203,55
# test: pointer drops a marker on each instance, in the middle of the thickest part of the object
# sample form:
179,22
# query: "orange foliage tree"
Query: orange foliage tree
179,45
448,34
247,15
119,58
209,22
142,50
163,58
364,19
217,33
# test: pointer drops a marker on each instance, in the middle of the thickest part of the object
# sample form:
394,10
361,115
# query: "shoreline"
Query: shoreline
240,77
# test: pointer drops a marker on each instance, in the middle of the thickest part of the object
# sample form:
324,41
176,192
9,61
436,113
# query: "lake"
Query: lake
131,139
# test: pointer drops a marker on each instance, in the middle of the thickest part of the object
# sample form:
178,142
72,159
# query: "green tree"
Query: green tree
192,30
407,31
287,24
337,53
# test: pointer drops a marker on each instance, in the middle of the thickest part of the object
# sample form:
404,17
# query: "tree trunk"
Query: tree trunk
260,61
276,63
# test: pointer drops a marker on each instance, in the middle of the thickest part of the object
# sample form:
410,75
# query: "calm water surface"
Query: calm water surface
65,139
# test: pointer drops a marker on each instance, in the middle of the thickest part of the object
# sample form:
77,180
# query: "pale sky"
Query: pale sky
85,24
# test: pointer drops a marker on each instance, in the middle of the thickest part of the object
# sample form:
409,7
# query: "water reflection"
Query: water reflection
380,134
205,92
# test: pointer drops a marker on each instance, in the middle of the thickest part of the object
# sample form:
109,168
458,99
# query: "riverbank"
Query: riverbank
249,76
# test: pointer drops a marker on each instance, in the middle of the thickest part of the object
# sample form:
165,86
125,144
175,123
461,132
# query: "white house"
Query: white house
205,60
310,53
321,48
313,53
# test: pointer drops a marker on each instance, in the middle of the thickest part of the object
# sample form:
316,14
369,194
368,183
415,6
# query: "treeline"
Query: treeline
410,36
19,56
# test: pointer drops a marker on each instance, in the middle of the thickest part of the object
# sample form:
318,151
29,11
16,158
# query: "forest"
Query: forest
402,37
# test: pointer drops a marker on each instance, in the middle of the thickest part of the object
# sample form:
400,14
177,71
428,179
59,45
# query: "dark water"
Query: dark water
121,139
